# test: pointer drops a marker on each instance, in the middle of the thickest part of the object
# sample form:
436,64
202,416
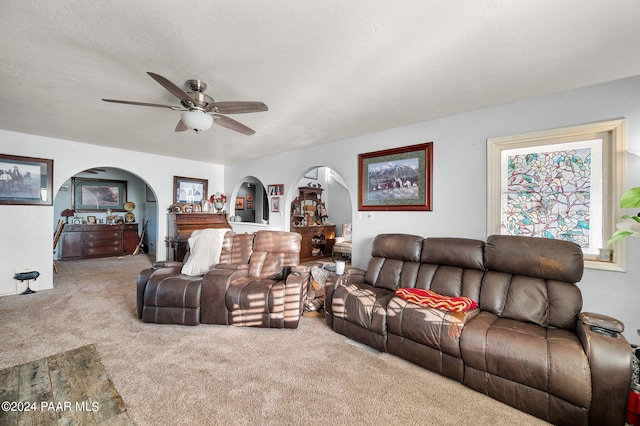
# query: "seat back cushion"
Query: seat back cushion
452,267
532,280
394,263
272,251
236,248
534,257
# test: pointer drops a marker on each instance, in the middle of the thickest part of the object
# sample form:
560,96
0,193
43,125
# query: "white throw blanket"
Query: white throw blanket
205,246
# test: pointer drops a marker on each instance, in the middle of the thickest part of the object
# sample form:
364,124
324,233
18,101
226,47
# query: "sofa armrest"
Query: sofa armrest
609,355
601,322
296,289
168,264
351,274
146,274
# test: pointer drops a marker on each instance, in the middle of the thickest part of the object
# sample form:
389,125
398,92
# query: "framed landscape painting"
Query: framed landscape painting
396,179
26,180
98,195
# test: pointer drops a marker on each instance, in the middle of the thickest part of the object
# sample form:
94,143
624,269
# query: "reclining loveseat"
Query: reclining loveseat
502,317
256,282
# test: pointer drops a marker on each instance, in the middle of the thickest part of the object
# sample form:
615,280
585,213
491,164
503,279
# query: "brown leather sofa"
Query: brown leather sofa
527,343
258,282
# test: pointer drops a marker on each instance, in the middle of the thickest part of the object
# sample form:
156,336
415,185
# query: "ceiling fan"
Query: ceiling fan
200,111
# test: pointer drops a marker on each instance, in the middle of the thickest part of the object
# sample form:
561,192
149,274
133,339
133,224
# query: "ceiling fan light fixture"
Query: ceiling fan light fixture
197,120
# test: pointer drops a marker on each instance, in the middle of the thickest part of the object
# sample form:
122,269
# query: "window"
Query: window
562,184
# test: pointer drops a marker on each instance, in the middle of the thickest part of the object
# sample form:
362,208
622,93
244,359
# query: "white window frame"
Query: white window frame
614,174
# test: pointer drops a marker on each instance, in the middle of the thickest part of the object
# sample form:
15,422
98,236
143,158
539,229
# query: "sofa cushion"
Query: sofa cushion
435,328
395,261
266,265
535,257
435,300
362,305
460,252
547,359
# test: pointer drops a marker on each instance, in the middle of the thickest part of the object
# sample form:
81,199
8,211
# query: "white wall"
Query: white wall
459,178
27,231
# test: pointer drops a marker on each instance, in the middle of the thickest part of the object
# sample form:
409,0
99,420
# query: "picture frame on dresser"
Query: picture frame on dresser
26,180
396,179
98,195
188,190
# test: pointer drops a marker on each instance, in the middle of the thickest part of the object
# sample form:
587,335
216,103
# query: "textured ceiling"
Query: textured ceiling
327,70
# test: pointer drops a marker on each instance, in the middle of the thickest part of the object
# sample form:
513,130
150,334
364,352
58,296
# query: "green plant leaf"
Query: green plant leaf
630,199
619,236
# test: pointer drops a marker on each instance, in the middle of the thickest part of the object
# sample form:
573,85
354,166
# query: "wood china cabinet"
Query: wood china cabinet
310,219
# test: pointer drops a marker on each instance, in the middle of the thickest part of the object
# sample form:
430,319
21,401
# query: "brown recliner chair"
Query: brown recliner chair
256,283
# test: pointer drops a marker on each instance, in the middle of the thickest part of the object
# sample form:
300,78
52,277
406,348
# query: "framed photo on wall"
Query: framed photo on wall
26,180
239,203
396,179
275,204
98,195
189,190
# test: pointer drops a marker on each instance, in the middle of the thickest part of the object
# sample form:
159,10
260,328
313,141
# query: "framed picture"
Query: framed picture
276,189
98,195
26,180
91,219
189,190
249,197
249,205
239,203
275,204
396,179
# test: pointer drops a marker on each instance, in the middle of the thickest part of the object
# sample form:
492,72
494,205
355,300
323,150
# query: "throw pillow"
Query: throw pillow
435,300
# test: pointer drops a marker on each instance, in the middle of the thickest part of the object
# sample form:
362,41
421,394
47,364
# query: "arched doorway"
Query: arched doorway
250,203
128,188
320,208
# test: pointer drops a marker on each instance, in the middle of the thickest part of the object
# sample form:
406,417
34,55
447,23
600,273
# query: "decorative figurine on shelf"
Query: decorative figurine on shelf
218,201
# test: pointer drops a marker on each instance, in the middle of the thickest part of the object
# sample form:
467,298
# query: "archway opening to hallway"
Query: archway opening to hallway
319,208
99,196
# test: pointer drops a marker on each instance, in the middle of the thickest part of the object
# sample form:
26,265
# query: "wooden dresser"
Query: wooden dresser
91,241
181,225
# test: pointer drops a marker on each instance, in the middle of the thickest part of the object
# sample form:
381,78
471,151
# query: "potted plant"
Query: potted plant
630,225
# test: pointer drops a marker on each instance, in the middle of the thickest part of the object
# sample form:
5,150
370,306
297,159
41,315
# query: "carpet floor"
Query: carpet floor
209,374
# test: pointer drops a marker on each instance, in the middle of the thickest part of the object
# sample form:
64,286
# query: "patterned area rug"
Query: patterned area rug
71,388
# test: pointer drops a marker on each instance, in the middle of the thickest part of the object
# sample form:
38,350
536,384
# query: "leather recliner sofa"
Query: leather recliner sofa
527,343
258,282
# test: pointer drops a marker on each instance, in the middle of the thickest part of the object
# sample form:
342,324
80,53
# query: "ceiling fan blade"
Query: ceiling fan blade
180,127
232,124
175,90
237,107
141,104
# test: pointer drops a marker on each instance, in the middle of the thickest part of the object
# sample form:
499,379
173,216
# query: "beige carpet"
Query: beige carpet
211,374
